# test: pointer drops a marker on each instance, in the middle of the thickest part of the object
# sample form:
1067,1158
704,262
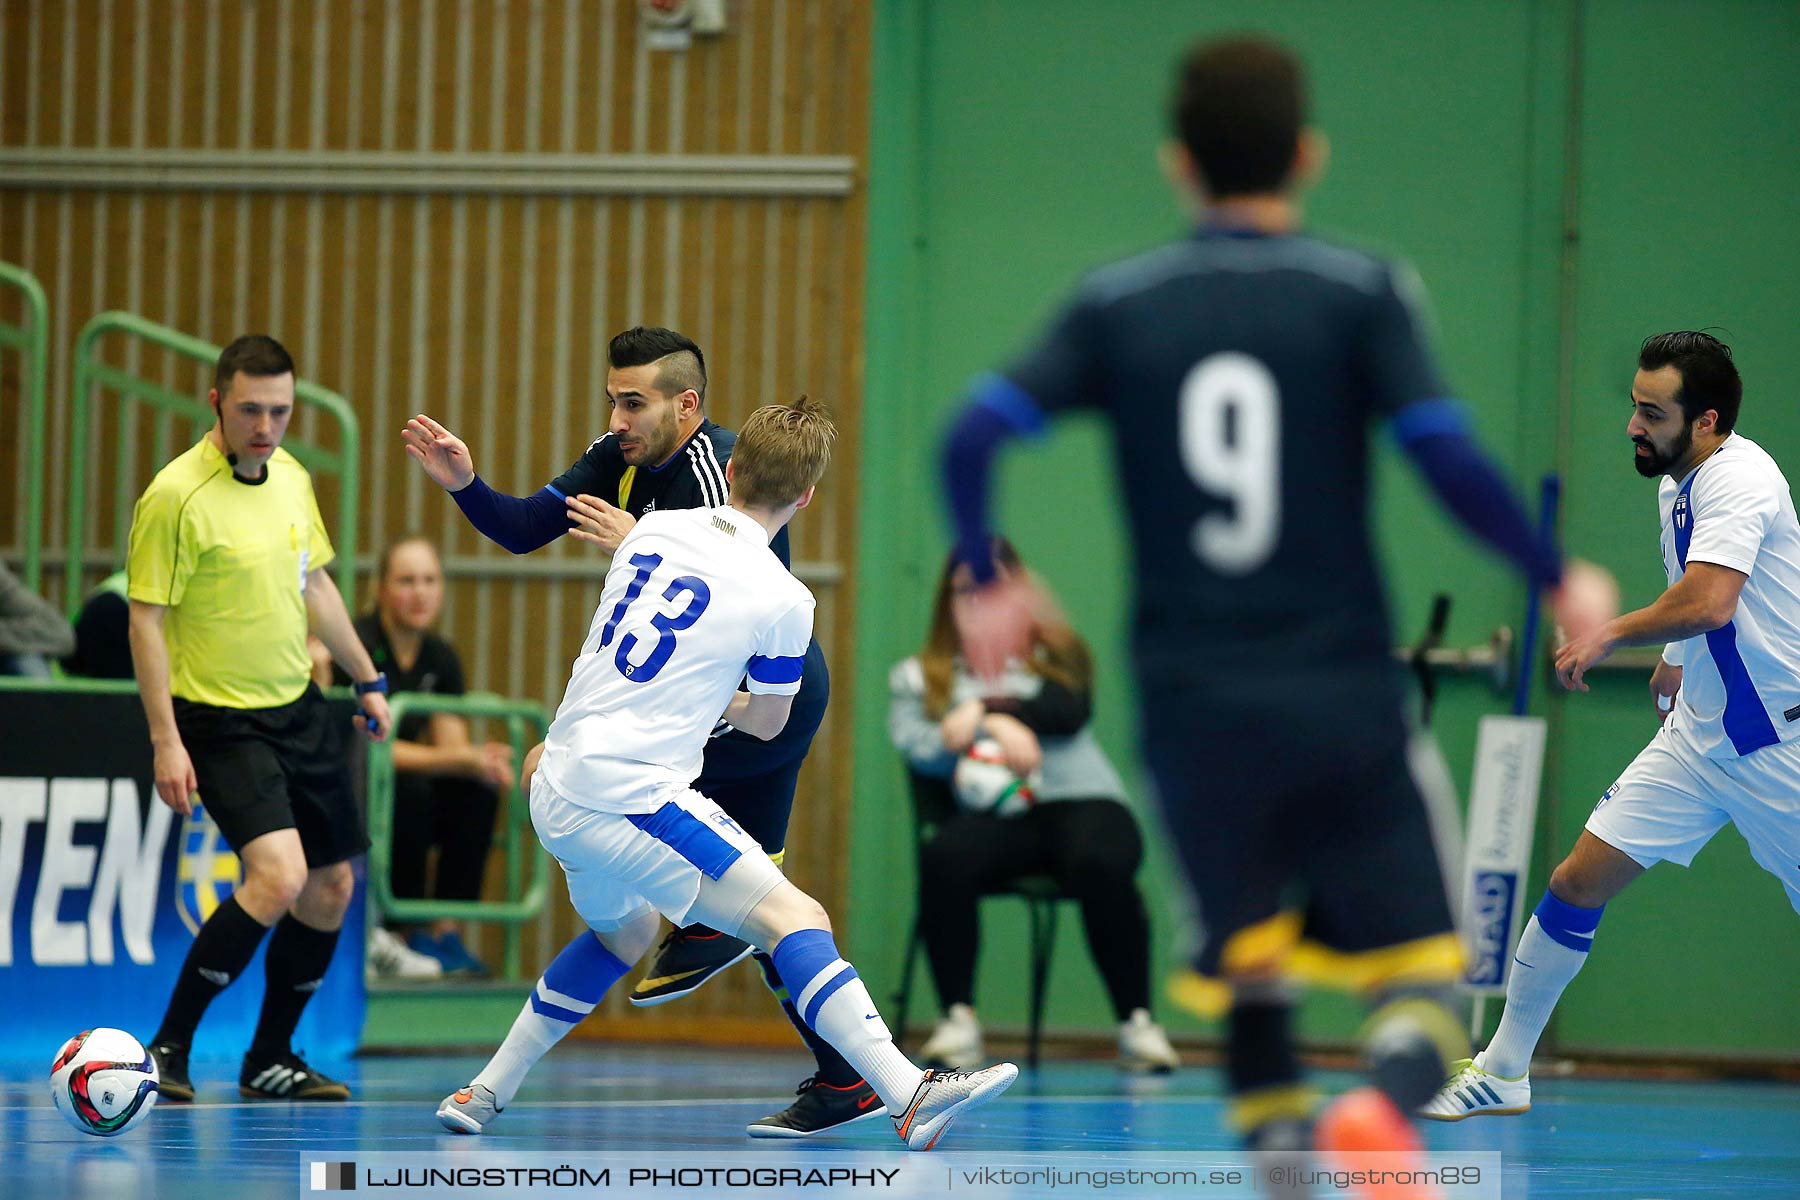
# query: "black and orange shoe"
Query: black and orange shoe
820,1106
684,962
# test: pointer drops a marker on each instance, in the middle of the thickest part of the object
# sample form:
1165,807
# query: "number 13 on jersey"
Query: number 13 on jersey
666,625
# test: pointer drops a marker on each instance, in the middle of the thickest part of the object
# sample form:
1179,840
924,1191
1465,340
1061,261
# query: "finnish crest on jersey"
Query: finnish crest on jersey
206,870
1681,511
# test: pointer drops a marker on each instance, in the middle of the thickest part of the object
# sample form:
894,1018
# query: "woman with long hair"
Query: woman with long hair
1077,829
446,785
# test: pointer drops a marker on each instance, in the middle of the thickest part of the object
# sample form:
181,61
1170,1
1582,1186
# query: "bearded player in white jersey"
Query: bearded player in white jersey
695,603
1727,692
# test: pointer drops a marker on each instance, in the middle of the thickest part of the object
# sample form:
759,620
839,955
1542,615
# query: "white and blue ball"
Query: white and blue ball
984,783
103,1081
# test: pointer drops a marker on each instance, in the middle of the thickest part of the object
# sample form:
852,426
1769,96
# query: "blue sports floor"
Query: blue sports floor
1586,1139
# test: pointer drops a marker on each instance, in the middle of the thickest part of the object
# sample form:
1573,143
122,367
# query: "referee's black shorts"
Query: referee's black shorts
1301,806
264,769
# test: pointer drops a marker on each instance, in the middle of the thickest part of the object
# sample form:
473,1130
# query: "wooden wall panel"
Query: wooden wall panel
488,302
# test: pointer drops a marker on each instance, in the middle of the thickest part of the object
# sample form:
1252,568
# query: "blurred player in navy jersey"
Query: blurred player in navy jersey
1242,369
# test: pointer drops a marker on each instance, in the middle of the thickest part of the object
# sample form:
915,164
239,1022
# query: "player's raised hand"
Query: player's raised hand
443,455
598,522
995,623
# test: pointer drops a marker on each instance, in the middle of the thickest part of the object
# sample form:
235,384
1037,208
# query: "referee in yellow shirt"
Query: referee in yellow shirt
226,574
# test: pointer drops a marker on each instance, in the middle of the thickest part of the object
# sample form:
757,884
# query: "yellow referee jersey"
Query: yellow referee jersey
229,558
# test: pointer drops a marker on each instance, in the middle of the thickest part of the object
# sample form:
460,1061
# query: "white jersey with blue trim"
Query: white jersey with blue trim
1740,683
695,603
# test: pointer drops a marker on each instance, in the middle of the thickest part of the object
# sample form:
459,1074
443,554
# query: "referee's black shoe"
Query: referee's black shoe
685,960
285,1076
172,1082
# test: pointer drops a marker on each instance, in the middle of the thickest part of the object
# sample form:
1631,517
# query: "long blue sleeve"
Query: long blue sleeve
519,523
1435,436
998,411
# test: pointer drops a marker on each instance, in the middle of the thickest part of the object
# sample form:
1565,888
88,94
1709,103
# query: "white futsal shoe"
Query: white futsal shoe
391,958
943,1096
1473,1092
468,1110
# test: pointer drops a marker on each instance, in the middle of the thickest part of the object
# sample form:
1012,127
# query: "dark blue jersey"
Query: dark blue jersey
1241,376
694,477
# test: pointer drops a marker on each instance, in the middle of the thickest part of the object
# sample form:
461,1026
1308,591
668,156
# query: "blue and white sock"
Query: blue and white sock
832,1000
568,991
1555,943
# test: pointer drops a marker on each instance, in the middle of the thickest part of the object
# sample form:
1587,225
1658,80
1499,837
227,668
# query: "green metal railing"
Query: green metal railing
89,372
32,340
525,726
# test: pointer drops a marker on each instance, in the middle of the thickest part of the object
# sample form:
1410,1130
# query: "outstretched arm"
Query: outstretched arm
1435,436
519,523
995,622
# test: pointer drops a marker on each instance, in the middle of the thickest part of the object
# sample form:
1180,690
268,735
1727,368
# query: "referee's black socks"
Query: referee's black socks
294,967
221,951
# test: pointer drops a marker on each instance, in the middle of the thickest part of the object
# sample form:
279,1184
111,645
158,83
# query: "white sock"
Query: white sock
530,1038
1542,968
810,966
570,988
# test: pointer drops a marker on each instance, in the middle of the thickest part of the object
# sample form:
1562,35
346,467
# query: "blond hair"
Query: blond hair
781,451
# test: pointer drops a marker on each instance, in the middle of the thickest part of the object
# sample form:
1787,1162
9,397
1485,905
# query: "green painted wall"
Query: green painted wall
1014,148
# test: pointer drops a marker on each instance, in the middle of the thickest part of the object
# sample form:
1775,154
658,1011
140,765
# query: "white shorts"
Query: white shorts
1672,799
687,860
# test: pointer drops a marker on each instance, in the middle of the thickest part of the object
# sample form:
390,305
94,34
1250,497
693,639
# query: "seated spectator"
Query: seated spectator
32,632
1078,830
446,787
103,633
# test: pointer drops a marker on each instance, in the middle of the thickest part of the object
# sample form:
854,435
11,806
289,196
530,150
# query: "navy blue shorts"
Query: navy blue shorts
754,781
1296,808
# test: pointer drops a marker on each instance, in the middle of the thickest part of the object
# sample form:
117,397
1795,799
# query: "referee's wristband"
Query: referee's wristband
377,684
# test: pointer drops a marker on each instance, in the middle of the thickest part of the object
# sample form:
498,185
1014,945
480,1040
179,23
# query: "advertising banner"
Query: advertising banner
102,888
1509,762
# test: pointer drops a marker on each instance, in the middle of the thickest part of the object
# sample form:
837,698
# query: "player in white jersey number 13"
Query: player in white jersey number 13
1727,691
694,603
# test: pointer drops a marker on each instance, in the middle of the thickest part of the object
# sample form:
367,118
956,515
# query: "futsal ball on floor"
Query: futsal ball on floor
103,1081
984,783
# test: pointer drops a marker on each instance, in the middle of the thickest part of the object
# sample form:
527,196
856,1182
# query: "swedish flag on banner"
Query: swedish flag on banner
206,870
